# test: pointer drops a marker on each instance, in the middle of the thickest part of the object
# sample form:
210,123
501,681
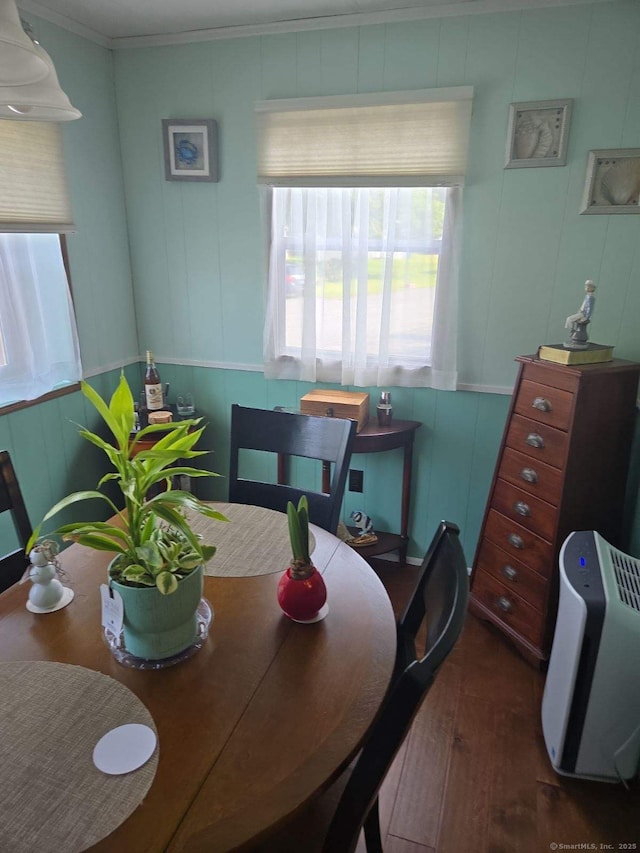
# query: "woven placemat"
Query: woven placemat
53,797
254,542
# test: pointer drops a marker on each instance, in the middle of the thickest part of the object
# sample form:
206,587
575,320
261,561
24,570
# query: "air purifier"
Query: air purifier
591,701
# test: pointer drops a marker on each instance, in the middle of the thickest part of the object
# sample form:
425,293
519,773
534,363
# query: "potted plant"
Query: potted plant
302,593
158,563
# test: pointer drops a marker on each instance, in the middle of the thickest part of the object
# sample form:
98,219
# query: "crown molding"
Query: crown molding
358,19
33,8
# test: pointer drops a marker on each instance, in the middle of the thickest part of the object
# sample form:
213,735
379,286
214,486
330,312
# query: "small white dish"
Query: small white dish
320,615
67,598
124,749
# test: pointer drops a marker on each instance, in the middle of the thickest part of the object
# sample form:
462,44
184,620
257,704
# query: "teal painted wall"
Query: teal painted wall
197,250
99,250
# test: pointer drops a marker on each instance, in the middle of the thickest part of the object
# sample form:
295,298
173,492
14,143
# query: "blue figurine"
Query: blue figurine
362,521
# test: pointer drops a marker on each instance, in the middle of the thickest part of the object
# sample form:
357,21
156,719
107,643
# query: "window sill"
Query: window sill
51,395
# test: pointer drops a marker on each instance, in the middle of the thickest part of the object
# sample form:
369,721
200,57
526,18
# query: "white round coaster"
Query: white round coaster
124,749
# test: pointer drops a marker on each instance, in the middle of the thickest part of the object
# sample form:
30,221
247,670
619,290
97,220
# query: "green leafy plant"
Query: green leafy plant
298,520
152,539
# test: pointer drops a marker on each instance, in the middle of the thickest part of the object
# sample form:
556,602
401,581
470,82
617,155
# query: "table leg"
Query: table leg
406,497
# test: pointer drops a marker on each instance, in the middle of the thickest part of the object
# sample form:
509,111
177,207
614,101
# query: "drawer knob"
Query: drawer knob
509,572
542,404
522,508
504,604
515,540
534,440
529,475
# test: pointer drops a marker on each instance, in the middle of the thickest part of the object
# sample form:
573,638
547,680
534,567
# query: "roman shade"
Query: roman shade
414,138
34,194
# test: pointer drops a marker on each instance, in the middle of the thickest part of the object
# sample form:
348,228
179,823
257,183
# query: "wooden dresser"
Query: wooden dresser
562,466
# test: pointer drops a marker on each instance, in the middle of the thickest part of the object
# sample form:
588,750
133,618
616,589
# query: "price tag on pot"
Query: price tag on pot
112,609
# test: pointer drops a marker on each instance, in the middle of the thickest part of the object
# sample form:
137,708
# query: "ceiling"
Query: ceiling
124,23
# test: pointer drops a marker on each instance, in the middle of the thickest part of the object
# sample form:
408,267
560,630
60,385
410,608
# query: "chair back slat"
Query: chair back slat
290,434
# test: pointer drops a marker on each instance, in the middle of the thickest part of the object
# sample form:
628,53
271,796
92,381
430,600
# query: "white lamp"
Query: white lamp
19,61
29,87
41,101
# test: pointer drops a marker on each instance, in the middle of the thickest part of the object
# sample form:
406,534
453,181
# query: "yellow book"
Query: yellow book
593,354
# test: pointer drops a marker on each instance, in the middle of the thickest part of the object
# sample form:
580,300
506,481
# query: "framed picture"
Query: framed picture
538,133
613,181
190,149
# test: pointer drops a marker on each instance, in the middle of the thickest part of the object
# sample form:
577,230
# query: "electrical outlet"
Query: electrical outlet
356,480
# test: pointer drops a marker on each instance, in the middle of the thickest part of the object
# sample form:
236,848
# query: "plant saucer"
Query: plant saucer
320,615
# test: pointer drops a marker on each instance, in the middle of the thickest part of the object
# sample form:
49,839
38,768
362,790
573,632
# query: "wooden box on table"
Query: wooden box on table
353,405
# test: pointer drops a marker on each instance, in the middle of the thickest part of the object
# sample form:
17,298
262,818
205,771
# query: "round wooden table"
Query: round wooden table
258,721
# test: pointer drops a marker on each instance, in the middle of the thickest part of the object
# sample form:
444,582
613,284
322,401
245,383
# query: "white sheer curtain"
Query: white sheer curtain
353,292
39,348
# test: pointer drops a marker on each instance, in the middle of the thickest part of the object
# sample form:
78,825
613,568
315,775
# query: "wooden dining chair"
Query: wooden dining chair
13,565
287,434
332,823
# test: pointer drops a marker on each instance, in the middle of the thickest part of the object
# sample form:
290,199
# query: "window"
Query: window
38,340
355,270
364,199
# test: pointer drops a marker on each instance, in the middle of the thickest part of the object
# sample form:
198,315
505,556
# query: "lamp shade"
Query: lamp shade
20,62
43,100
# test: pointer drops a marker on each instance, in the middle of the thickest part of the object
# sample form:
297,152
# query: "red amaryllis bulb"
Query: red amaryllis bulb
301,599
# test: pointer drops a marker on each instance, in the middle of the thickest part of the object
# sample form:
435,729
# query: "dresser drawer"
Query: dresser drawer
538,440
545,404
520,543
509,608
550,374
529,585
543,481
525,509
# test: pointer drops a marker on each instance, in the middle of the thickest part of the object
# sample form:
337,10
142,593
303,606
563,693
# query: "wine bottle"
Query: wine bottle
152,385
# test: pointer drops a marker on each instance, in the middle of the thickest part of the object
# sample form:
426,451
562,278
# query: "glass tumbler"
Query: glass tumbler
185,406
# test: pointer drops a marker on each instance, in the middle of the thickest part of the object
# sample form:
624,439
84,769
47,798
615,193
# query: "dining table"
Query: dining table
255,724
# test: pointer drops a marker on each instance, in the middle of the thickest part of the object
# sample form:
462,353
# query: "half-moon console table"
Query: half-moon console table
376,439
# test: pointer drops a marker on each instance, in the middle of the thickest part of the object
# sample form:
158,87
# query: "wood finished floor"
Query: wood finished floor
473,775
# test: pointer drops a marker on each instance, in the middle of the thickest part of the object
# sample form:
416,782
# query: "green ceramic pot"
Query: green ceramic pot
159,626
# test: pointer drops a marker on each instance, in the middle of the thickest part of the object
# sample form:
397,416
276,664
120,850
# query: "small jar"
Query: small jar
160,417
385,409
